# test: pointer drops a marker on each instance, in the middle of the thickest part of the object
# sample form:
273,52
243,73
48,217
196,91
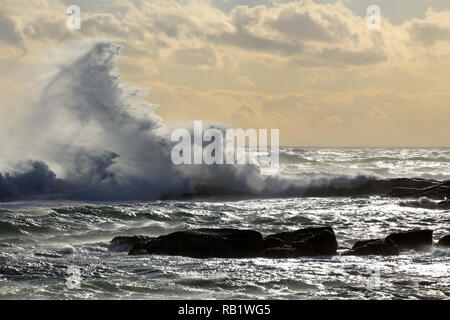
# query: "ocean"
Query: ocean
58,249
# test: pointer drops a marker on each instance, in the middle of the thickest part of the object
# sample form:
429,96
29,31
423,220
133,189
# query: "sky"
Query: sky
311,69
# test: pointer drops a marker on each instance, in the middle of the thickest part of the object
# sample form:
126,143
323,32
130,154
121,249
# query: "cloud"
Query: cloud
307,21
429,34
333,119
290,29
11,32
337,57
369,117
294,64
201,57
378,113
246,40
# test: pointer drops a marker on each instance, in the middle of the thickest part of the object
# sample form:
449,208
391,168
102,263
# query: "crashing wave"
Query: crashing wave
89,135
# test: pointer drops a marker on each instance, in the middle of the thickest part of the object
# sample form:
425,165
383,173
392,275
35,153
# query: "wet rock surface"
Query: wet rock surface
280,253
234,243
205,243
413,239
394,243
321,243
445,204
437,190
302,242
444,241
378,247
119,244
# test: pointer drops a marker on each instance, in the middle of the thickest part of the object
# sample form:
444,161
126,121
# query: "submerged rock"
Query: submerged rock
205,243
367,186
436,191
279,253
445,204
378,247
66,251
444,241
413,239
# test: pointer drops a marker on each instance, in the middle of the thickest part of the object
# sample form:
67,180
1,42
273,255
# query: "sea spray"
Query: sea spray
96,133
83,133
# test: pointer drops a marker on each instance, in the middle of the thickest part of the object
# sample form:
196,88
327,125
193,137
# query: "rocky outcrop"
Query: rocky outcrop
280,253
366,186
445,204
398,187
291,237
120,244
413,239
393,243
378,247
232,243
300,243
273,242
303,242
321,243
435,191
205,243
444,241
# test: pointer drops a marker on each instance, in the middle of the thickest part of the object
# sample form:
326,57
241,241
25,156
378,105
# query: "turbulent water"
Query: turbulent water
78,132
40,240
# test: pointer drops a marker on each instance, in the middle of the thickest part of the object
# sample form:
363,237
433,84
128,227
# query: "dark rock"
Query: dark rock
272,242
208,243
413,239
362,243
126,243
444,242
299,235
307,242
436,191
366,186
411,183
316,244
445,204
278,253
373,247
140,248
323,243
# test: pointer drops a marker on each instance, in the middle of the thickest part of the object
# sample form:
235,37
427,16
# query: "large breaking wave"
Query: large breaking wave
88,135
93,132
